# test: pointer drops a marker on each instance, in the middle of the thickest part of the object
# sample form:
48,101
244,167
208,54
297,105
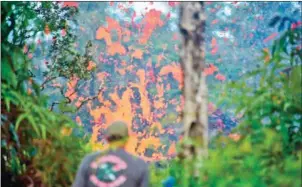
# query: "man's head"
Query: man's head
117,131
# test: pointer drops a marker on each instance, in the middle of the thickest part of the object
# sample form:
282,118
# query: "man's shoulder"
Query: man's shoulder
139,161
91,156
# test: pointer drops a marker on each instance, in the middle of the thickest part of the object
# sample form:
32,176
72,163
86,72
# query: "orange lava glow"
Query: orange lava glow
119,105
123,111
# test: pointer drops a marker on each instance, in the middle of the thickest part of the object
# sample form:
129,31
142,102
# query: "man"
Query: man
114,167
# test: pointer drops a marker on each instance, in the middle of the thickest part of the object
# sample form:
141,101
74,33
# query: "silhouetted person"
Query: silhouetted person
114,167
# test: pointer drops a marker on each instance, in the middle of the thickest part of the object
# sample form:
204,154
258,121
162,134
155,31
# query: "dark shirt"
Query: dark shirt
114,168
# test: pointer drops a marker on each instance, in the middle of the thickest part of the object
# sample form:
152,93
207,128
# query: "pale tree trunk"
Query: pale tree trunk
195,116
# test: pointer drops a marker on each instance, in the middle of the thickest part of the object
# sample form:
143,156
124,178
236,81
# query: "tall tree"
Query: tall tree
195,119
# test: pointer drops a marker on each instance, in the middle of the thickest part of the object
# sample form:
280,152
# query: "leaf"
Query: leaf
282,25
33,151
66,108
20,118
33,124
17,98
295,80
286,106
43,130
274,49
274,21
36,87
7,73
7,104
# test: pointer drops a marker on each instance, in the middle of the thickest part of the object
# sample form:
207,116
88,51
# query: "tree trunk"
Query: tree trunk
195,116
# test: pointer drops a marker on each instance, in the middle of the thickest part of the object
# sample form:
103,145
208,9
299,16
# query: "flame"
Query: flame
176,71
114,25
123,111
116,48
138,53
151,21
122,102
103,33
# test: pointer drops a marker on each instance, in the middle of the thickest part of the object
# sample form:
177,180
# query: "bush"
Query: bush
38,147
268,152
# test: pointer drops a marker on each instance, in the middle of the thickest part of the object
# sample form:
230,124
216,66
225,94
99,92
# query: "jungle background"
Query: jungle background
69,69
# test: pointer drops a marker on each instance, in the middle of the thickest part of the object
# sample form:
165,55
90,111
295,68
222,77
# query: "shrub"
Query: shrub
268,152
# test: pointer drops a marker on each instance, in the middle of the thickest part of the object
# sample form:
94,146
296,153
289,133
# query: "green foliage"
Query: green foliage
37,146
40,145
41,136
268,152
252,162
276,101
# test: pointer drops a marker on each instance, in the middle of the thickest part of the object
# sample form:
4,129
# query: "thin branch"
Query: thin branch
89,99
53,105
68,100
46,81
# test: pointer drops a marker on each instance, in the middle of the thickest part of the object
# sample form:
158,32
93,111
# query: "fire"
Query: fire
151,21
142,101
104,115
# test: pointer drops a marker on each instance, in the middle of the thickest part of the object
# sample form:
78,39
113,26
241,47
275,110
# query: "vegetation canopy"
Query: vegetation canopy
211,93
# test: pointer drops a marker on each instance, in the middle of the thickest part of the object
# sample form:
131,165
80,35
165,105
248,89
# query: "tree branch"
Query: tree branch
46,81
89,99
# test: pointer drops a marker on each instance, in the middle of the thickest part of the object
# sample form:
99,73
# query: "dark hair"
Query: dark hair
113,138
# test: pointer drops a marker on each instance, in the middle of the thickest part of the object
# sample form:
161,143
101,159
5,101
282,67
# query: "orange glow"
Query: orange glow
114,25
210,70
214,46
79,121
136,145
145,104
172,149
91,65
151,21
70,93
116,48
132,144
235,136
138,53
102,33
118,104
175,69
70,4
148,142
127,35
79,101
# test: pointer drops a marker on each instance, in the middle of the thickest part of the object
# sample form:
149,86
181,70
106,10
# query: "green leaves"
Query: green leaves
295,80
66,108
270,134
20,118
43,132
31,135
7,73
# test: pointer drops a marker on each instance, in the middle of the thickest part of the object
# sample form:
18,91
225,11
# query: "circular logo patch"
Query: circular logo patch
108,171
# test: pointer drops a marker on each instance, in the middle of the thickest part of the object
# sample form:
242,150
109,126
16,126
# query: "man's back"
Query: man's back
115,168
